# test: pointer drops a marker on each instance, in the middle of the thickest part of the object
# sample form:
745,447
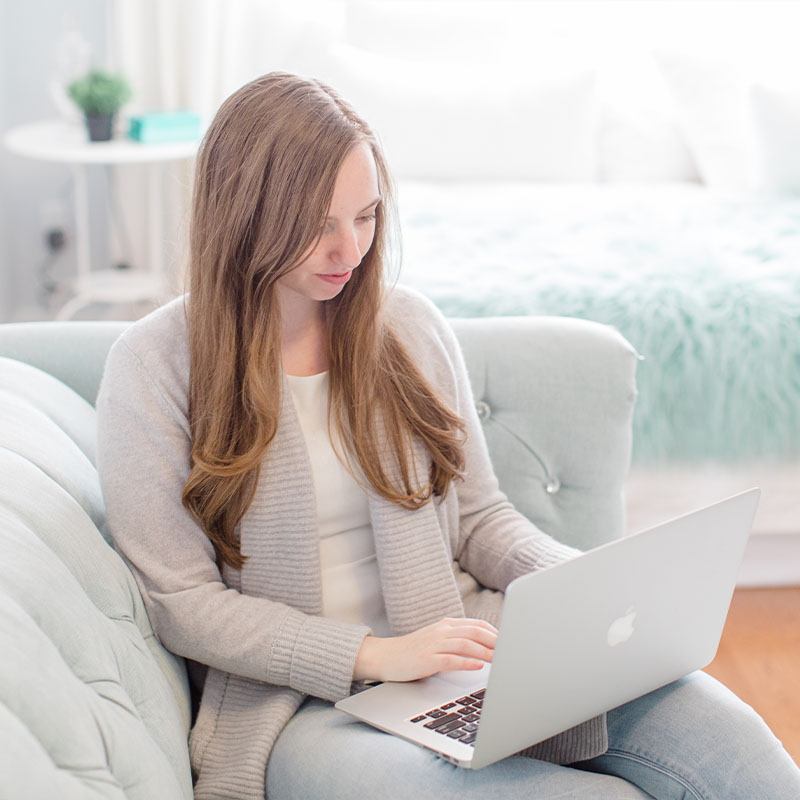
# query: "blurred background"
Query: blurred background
611,91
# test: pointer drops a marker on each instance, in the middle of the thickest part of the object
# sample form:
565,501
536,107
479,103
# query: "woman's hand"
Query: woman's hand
445,645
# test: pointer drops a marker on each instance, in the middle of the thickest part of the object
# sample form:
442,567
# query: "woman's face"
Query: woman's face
347,233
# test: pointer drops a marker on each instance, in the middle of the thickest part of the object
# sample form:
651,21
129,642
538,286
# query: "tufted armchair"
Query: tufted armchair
91,704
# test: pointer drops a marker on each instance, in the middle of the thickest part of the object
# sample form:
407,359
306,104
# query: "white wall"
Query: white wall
36,194
4,271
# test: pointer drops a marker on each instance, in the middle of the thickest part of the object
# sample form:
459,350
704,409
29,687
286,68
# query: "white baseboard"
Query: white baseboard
771,559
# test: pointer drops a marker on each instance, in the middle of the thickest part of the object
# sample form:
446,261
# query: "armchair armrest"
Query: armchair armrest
556,397
74,351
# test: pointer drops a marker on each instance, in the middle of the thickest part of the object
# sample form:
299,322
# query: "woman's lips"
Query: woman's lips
337,279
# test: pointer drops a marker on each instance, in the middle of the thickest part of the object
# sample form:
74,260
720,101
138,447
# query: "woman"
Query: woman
294,470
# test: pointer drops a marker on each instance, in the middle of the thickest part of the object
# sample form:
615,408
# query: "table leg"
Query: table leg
81,221
71,306
155,185
82,244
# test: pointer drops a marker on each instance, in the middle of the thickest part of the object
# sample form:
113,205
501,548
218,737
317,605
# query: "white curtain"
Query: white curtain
190,55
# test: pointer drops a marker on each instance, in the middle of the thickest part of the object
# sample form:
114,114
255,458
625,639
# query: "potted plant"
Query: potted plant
100,95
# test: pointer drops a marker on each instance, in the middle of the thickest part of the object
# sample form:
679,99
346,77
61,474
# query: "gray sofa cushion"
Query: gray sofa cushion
92,705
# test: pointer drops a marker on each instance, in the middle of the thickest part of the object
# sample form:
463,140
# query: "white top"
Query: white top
351,586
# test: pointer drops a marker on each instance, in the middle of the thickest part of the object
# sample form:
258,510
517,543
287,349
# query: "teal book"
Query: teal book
165,126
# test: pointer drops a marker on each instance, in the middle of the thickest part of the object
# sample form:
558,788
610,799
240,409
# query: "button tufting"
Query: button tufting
484,412
553,485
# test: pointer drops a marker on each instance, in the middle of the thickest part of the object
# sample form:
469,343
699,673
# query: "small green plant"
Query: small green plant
100,93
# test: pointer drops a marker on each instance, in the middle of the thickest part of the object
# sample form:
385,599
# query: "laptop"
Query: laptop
579,638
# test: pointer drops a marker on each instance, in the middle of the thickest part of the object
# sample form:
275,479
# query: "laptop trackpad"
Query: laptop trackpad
401,701
465,679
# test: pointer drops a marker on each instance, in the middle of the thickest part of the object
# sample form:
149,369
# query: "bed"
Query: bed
706,286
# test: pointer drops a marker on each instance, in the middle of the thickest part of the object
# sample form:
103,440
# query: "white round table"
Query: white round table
68,143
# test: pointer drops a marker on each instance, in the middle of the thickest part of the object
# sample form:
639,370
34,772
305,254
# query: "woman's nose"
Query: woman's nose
348,248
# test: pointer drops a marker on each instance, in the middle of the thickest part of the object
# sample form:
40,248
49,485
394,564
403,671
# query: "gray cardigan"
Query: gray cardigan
259,630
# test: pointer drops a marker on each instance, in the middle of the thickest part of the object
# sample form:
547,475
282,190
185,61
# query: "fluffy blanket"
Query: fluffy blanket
706,287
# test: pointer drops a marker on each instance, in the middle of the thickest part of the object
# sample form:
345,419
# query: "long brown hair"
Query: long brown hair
264,181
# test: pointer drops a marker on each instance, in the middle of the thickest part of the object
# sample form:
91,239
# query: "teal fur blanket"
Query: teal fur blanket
707,289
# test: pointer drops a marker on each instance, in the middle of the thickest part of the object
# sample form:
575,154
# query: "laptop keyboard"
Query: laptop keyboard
457,719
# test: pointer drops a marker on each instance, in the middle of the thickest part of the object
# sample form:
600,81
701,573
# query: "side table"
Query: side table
67,143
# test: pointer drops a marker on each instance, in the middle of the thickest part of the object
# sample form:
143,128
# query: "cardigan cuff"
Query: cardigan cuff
315,655
538,553
534,557
584,741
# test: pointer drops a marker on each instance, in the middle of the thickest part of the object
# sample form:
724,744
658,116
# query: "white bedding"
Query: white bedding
488,246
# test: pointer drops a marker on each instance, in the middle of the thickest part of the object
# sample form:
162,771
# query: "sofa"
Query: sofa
92,705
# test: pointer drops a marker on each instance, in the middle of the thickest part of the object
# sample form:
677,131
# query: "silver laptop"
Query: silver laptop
578,639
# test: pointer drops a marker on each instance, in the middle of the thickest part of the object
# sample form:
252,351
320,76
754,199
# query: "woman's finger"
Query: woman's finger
485,636
448,662
468,648
478,623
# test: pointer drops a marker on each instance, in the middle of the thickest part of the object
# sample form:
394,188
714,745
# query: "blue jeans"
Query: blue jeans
691,740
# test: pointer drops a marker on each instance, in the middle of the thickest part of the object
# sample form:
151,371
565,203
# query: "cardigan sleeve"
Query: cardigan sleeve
496,543
143,463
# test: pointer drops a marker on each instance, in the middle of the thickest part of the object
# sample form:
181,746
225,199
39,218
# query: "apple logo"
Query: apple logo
621,629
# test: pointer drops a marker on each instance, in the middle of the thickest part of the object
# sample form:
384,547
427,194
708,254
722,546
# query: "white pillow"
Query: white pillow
462,121
710,98
776,125
638,139
641,145
716,112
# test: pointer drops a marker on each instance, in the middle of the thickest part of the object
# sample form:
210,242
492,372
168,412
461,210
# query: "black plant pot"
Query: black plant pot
100,127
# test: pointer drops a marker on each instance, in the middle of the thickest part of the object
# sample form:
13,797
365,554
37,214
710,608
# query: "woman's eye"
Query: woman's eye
368,217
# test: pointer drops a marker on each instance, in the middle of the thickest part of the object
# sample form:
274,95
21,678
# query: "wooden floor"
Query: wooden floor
759,658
